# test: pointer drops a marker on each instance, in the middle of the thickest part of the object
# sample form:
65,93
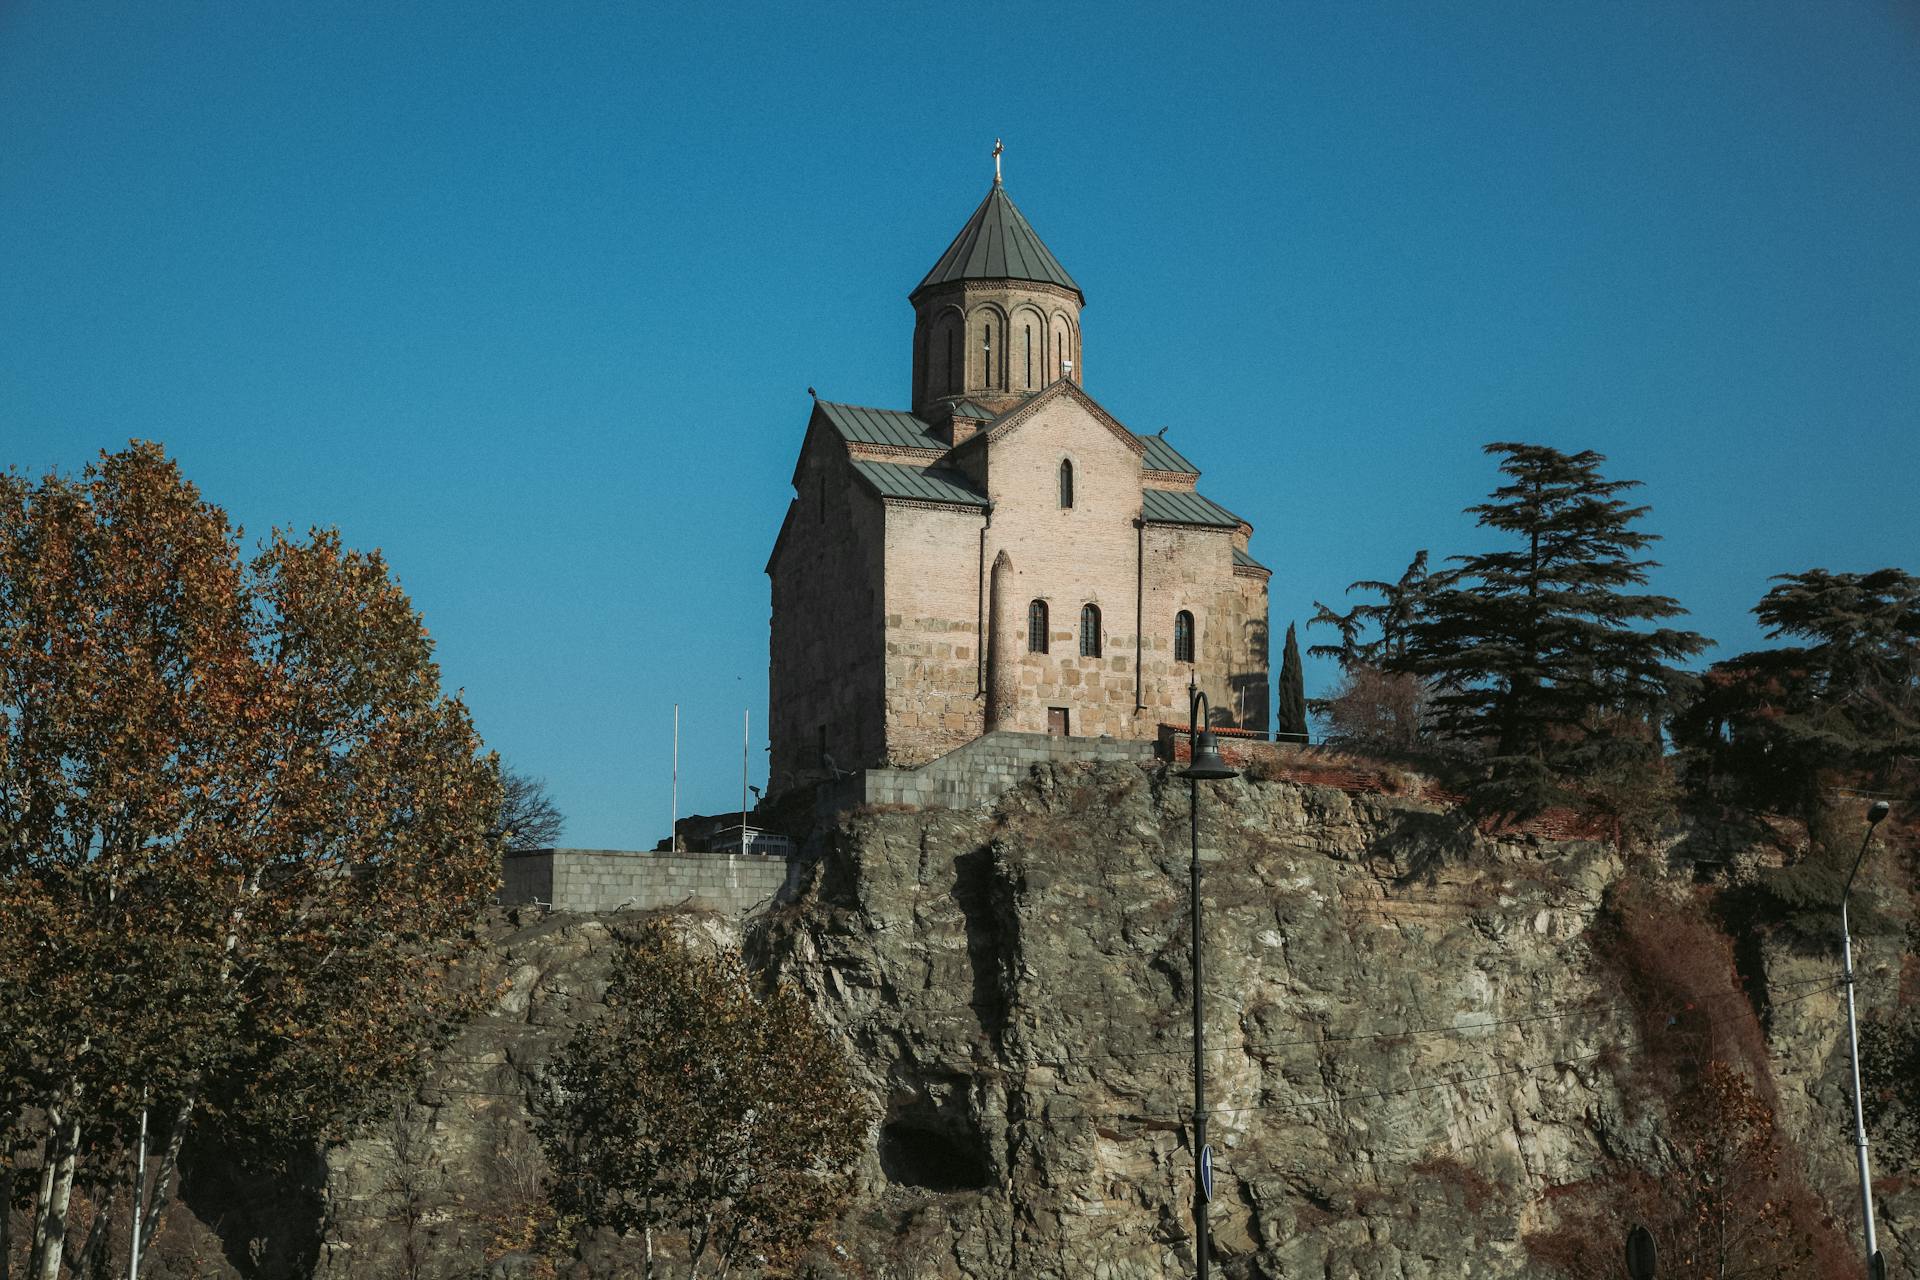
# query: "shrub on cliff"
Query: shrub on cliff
1722,1191
700,1107
1720,1200
242,840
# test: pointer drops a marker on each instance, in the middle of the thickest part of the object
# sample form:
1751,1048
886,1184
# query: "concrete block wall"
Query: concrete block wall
630,880
977,774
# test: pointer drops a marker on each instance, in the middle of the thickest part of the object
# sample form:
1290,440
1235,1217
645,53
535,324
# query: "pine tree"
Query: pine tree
1293,693
1539,655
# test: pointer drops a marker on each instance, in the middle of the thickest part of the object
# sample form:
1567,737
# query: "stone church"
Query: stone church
1004,554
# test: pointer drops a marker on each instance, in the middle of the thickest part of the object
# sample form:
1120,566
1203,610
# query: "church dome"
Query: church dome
997,244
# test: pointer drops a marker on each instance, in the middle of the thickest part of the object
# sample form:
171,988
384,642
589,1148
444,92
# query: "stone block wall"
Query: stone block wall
827,661
977,774
1192,569
590,880
934,603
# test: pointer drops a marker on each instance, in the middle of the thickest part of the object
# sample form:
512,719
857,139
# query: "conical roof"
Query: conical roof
997,244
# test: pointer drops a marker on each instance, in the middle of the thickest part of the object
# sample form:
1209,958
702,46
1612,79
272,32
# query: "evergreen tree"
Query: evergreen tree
1392,618
1767,725
1539,654
1293,693
1373,708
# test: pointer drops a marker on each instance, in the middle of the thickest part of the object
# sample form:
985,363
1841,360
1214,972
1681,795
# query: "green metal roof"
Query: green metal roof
968,409
997,244
1162,456
862,425
928,484
1171,507
1241,560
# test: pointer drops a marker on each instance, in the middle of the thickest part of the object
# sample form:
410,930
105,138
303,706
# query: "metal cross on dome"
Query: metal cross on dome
997,149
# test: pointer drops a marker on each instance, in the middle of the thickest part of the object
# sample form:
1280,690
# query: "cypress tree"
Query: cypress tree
1539,653
1292,721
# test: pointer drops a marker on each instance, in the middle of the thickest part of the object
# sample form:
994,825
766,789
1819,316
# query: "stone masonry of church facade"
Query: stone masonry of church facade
1004,556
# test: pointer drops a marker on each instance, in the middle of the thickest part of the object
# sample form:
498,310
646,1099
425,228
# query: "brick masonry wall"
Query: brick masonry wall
933,602
878,607
826,646
1068,557
929,563
590,880
1019,313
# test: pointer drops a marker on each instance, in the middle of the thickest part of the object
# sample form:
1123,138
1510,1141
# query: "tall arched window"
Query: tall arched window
1028,384
1066,483
1037,627
986,354
1183,636
1090,631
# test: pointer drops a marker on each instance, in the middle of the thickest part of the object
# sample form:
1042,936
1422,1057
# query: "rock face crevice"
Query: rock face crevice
1414,1045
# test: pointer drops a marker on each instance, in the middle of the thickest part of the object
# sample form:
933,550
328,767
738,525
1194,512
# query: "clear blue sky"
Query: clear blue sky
528,296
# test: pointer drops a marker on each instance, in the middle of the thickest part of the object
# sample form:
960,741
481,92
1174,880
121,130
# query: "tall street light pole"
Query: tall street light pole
1203,764
1874,815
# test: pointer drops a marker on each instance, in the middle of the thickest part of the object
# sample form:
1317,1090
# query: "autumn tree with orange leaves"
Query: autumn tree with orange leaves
243,844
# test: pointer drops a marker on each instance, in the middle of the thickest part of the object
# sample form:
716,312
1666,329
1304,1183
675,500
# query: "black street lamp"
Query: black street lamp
1204,764
1875,1264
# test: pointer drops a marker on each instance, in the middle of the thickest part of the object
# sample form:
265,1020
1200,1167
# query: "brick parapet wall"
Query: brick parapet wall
588,880
1356,775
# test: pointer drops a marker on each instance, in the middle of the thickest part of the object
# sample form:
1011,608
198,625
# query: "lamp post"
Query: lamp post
1203,764
1874,815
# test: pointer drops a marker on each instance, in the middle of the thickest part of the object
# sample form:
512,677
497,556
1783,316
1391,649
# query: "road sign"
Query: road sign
1640,1254
1206,1173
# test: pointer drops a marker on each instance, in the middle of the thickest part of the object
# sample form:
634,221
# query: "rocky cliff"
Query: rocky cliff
1414,1044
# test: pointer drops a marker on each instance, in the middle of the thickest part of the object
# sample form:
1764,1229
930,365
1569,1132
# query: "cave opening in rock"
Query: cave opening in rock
931,1156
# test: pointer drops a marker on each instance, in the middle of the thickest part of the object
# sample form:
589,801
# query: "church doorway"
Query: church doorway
1057,721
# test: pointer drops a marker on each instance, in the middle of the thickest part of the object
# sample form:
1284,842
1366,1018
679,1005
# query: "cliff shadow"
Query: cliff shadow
1418,843
270,1216
977,892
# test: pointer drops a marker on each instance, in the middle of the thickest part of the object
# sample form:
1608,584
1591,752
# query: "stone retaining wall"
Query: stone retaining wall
977,774
623,879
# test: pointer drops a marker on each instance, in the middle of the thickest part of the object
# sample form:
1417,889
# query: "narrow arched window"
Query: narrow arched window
1028,384
1037,627
986,354
1183,636
1090,631
1066,483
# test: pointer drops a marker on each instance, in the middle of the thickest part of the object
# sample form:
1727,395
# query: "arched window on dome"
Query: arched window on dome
1090,631
1183,636
986,354
1027,384
1066,483
1037,627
